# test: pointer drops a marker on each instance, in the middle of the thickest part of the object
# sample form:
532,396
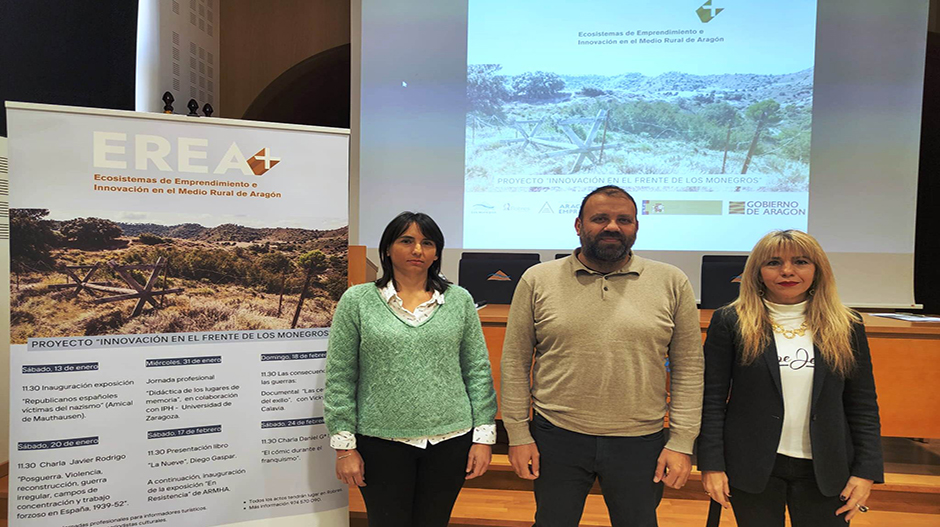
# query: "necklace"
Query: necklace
789,333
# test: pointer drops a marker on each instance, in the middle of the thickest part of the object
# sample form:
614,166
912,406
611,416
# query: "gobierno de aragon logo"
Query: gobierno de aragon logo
115,150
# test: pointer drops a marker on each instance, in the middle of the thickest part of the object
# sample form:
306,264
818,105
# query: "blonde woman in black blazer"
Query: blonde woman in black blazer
790,416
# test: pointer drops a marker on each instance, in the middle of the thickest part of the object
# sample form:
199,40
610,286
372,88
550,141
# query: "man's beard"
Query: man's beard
606,252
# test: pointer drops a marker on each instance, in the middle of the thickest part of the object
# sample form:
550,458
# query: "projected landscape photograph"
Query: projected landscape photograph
698,95
546,123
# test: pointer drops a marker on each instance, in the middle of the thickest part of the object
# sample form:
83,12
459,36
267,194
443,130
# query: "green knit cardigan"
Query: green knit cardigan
386,378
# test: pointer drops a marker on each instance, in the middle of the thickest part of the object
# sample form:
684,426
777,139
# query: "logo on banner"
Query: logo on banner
546,209
509,207
110,150
653,207
499,276
482,208
569,208
709,11
767,208
262,161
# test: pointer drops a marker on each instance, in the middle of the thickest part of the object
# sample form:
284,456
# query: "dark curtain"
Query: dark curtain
68,52
927,239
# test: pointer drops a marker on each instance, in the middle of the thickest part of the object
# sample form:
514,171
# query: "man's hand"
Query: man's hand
478,460
716,486
525,460
351,470
673,468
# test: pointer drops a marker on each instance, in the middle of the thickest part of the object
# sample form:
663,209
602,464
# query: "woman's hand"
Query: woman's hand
716,486
855,495
478,460
350,469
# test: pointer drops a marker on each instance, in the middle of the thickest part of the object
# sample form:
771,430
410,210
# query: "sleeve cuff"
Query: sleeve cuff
877,475
519,433
343,441
680,443
710,465
485,434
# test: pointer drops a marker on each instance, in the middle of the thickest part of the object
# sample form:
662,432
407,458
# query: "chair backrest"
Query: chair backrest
721,279
492,277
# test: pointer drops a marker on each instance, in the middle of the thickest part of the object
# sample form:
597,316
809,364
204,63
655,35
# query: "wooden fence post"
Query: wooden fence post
303,294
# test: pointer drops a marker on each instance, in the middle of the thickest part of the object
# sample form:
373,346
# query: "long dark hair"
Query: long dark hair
429,228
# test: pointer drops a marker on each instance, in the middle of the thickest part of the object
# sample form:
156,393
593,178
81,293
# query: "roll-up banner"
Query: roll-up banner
173,281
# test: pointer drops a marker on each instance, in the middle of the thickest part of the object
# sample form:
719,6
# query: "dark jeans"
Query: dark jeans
570,462
408,486
792,485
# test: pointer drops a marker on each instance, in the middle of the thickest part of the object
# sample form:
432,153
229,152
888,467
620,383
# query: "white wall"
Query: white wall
177,52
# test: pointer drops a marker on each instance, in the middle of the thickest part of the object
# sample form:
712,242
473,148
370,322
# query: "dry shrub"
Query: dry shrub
18,316
49,318
103,324
249,319
166,321
23,294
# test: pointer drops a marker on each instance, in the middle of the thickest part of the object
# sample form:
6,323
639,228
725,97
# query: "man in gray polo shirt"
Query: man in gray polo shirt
602,323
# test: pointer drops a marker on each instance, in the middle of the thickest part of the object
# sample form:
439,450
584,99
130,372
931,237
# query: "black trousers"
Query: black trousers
792,485
412,487
570,462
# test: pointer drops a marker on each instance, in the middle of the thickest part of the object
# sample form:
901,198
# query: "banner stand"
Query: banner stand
173,281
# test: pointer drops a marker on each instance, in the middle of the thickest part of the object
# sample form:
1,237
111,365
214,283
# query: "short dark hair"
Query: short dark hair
607,190
429,228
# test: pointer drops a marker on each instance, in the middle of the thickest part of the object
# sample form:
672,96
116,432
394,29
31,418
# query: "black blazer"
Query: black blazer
742,414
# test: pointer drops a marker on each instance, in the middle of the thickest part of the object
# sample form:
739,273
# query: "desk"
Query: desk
905,356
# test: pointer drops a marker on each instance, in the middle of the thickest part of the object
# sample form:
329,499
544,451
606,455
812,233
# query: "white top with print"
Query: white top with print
796,358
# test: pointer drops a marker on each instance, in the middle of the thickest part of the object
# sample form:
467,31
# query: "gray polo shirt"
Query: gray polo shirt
601,343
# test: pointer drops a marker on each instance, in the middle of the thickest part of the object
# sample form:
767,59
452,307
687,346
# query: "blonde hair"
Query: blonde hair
828,319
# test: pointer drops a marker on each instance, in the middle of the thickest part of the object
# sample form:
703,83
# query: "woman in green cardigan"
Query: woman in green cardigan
409,397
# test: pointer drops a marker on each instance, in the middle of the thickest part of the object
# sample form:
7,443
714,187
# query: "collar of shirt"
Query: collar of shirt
634,265
390,294
782,313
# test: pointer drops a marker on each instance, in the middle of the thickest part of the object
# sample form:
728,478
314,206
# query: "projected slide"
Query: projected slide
702,110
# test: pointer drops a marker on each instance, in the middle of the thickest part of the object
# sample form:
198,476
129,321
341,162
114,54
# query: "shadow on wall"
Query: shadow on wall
313,92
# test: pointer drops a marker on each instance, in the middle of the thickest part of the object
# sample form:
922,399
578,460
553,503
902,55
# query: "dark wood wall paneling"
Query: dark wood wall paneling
260,41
